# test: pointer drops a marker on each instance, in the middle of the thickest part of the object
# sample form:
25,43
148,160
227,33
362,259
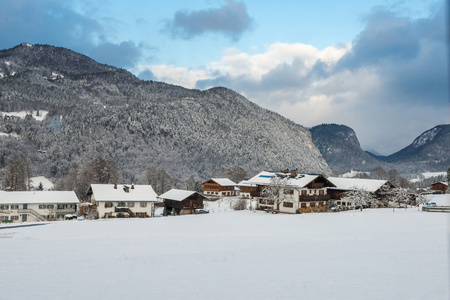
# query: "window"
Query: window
122,204
4,206
108,204
130,204
289,192
303,205
312,204
15,206
143,204
321,192
14,218
303,192
42,206
288,204
5,218
50,206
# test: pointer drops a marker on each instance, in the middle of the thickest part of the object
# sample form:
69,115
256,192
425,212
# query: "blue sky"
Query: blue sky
378,66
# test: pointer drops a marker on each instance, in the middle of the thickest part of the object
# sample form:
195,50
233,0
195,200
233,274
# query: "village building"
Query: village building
181,202
378,188
441,187
299,193
32,206
122,201
220,187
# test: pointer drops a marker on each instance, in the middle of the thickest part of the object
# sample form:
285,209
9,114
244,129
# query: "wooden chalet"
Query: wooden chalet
220,187
441,187
181,202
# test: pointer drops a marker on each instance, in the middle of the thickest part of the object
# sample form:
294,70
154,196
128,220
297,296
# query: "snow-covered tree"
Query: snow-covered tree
399,195
360,197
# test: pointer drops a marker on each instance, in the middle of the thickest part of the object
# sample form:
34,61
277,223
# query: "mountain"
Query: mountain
430,151
341,149
61,108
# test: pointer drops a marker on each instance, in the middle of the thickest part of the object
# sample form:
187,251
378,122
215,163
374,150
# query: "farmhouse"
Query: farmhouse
219,187
290,192
442,187
343,185
113,200
181,202
37,205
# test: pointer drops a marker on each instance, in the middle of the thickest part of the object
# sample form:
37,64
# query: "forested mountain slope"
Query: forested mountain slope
61,108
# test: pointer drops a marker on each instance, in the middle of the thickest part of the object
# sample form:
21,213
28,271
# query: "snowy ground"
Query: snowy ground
374,254
46,183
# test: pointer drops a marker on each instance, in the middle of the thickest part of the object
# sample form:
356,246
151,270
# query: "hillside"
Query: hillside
341,149
430,151
62,108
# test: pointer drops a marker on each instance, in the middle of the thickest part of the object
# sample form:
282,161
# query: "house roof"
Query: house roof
370,185
177,195
38,197
264,178
107,192
223,181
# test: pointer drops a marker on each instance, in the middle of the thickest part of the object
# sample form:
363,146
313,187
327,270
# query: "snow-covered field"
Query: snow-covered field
373,254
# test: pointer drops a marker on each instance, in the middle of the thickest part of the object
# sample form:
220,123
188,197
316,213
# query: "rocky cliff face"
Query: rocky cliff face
341,149
61,108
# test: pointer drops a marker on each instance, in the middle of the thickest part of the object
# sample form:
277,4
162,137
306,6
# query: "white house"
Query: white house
36,205
299,192
113,200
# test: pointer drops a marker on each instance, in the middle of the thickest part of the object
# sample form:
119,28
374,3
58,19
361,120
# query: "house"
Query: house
181,202
344,185
220,187
116,201
37,205
442,187
296,192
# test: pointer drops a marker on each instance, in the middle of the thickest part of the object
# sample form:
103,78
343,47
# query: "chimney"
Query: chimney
294,173
115,186
132,186
126,189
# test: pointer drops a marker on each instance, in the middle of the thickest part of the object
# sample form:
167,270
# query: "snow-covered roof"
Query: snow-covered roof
107,192
370,185
38,197
177,195
264,178
224,181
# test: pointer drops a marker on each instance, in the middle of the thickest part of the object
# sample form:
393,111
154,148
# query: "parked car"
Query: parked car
201,211
430,204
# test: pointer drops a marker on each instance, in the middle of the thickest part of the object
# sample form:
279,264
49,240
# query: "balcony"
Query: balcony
314,198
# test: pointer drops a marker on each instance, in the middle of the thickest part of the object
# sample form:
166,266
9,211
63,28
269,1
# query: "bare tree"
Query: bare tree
234,173
17,175
158,179
378,173
275,190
